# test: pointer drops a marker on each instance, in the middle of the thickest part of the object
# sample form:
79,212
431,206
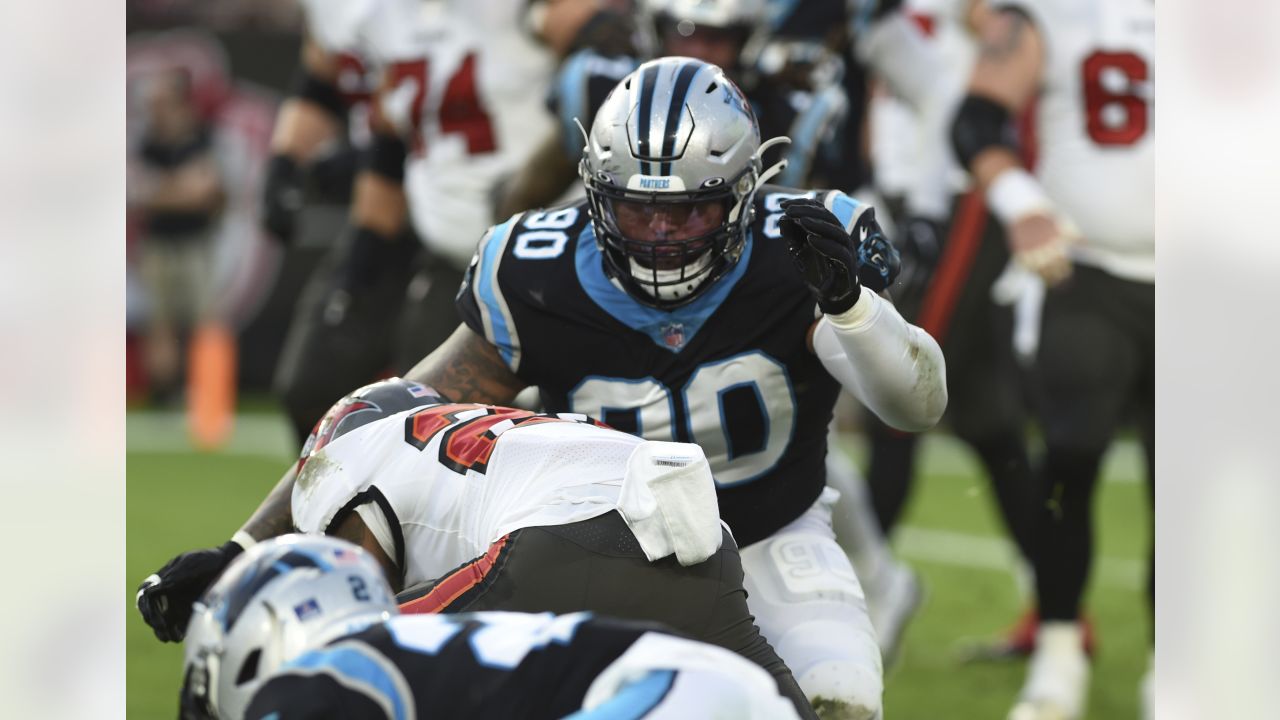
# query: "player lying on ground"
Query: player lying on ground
307,627
475,507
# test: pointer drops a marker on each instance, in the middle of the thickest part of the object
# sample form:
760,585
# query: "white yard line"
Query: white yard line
256,434
945,454
984,552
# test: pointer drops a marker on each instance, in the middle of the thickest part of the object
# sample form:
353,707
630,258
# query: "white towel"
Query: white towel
668,499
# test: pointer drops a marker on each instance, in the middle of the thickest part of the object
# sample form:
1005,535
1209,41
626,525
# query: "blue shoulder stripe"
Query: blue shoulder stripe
360,668
499,325
633,701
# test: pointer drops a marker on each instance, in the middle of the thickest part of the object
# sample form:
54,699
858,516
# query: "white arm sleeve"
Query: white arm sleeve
891,366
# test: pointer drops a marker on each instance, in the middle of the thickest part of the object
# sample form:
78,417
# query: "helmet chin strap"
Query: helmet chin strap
758,159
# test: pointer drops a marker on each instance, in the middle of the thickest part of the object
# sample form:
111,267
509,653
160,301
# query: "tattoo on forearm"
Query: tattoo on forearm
1004,35
470,371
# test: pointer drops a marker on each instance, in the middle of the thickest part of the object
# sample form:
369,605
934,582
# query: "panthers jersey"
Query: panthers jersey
486,665
465,84
450,479
813,119
518,667
731,370
1095,126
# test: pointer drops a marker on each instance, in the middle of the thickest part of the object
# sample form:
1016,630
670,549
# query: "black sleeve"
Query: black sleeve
311,697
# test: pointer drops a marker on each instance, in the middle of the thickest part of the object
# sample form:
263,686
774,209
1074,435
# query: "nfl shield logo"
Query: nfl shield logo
673,335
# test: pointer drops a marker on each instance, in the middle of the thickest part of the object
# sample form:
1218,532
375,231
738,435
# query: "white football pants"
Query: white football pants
809,605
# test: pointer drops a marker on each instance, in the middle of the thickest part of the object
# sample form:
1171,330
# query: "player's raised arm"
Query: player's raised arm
1005,79
893,367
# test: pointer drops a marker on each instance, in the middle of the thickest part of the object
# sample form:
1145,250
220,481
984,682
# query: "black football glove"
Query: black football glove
921,241
878,260
282,197
823,252
165,598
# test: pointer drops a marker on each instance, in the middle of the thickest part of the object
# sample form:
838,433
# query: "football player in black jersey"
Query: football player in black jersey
678,302
306,627
804,68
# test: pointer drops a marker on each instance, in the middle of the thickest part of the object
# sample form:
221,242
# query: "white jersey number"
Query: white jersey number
741,410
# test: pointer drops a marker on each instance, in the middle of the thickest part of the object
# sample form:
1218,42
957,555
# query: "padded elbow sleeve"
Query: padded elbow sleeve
981,123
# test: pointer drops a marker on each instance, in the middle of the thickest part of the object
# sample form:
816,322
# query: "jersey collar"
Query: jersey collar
670,330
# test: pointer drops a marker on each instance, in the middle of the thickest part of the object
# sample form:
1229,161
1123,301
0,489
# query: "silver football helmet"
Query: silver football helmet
671,166
277,600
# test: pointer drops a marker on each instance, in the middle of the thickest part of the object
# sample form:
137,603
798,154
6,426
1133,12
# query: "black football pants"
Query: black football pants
598,565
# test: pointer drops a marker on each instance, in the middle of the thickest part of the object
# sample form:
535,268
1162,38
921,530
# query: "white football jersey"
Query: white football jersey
339,28
452,479
467,84
1095,126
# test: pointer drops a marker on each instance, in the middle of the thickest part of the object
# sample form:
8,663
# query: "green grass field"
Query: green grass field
178,500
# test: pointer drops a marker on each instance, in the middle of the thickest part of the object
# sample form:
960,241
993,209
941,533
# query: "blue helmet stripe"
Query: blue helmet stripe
684,78
648,85
362,669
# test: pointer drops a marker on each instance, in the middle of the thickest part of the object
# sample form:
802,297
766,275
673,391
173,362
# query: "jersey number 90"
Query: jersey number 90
741,410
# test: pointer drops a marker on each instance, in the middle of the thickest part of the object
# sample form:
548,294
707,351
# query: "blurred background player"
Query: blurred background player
349,309
342,652
953,255
177,184
1084,225
450,119
808,108
472,507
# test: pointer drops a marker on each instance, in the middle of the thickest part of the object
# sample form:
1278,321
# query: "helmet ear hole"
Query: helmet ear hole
249,668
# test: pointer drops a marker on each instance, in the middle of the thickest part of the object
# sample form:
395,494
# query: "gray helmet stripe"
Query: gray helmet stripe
648,85
684,78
